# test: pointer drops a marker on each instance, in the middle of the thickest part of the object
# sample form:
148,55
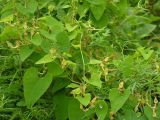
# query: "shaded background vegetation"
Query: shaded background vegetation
79,59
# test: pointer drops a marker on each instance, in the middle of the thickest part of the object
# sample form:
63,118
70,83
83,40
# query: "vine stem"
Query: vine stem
82,55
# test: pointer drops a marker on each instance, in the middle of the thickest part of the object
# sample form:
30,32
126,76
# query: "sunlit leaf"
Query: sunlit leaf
34,86
118,99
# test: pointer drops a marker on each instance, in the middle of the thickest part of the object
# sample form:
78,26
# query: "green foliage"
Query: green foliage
79,59
118,99
34,86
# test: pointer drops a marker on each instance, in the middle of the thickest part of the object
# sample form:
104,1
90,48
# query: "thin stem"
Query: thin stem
82,55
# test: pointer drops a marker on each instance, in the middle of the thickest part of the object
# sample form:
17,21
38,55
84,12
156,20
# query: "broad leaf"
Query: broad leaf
9,33
61,102
82,9
54,68
95,78
36,40
148,113
98,10
74,111
84,100
63,42
96,2
25,52
59,84
118,99
8,18
94,61
29,9
34,86
144,30
46,59
101,109
52,23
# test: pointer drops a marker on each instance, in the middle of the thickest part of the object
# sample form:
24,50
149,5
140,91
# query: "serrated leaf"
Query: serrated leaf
46,59
118,99
25,52
101,109
84,100
34,86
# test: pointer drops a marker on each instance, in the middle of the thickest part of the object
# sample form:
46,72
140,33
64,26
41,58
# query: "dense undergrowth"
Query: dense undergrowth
79,59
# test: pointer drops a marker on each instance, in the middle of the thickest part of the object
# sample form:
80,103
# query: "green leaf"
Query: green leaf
63,42
46,34
34,86
46,59
55,25
123,6
148,113
101,109
125,66
59,84
61,102
31,6
8,18
97,2
36,40
55,69
118,99
146,53
25,52
74,111
84,100
9,33
129,115
73,85
43,3
144,30
82,9
94,61
95,78
98,10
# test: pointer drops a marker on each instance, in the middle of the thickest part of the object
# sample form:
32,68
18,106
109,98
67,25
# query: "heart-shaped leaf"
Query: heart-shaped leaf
34,86
101,109
84,100
118,99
